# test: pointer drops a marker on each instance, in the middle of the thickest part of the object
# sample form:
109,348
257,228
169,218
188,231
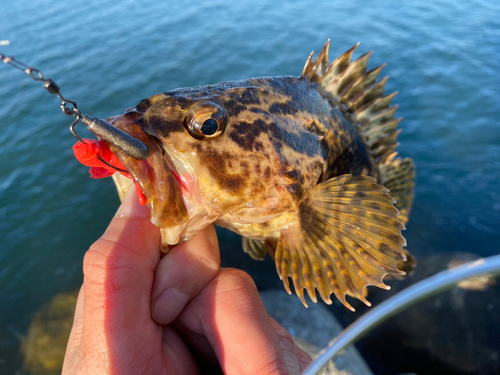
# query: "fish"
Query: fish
304,168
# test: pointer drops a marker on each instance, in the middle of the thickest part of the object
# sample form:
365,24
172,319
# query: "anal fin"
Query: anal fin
346,236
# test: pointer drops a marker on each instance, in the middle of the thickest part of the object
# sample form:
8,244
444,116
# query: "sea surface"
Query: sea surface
443,57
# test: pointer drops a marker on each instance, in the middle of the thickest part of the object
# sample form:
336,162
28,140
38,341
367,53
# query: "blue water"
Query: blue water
443,57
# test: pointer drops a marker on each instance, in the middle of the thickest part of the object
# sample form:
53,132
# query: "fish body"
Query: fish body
293,164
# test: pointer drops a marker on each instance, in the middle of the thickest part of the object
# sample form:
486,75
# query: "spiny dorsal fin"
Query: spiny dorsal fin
357,89
364,98
347,236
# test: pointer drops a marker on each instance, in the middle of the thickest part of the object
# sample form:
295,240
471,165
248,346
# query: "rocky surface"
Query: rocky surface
312,329
44,345
456,332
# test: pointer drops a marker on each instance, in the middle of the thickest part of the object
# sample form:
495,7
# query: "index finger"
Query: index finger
118,276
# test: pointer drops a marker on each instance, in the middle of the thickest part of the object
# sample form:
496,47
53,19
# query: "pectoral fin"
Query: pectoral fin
346,236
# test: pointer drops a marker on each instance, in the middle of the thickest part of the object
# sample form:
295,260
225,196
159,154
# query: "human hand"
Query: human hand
182,314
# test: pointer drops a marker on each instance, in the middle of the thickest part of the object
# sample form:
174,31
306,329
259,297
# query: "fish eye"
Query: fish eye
206,120
209,127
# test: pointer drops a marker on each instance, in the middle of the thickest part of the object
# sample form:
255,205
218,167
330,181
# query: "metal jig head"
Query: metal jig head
123,141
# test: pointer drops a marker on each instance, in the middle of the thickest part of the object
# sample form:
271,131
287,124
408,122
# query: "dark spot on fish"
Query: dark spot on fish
259,110
219,165
303,141
282,109
352,160
293,175
277,83
295,89
181,101
360,194
297,190
245,134
248,98
277,144
197,147
164,127
267,173
233,183
258,186
245,168
257,168
233,108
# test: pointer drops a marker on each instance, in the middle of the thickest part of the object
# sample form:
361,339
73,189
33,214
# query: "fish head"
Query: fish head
216,155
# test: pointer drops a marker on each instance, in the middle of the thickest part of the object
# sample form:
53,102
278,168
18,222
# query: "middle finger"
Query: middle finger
183,273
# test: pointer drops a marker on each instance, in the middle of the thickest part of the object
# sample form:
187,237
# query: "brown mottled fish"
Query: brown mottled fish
305,169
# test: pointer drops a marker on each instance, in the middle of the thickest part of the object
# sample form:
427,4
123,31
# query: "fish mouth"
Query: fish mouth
153,176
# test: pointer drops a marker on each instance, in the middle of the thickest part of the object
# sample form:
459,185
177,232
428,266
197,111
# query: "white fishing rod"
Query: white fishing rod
422,290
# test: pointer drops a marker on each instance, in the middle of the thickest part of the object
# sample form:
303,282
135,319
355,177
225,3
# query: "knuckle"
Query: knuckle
283,333
203,262
238,278
93,260
102,256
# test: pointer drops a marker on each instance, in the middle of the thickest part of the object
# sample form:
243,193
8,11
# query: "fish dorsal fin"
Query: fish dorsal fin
362,96
346,236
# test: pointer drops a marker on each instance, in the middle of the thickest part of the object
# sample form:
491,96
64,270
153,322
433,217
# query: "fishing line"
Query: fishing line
123,141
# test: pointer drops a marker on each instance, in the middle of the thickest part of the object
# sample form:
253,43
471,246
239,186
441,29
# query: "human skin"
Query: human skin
138,313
